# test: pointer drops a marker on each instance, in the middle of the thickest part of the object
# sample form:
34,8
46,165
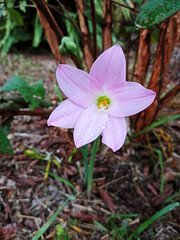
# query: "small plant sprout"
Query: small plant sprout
98,102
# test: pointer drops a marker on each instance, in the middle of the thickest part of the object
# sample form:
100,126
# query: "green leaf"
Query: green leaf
16,16
156,124
122,215
50,221
38,30
13,84
34,102
30,94
58,93
63,181
7,125
100,226
155,11
68,44
22,5
38,89
153,218
5,146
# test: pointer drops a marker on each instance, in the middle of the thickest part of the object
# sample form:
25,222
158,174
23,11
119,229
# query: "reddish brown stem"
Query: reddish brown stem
51,37
94,29
168,38
169,96
43,7
84,30
107,17
52,30
143,56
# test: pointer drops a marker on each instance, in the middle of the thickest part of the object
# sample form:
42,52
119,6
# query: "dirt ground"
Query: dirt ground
126,182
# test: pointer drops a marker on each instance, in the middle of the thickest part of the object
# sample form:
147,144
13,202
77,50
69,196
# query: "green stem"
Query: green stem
91,167
84,151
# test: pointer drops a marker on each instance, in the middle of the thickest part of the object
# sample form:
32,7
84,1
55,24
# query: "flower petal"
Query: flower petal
65,115
75,84
114,133
89,126
110,67
129,98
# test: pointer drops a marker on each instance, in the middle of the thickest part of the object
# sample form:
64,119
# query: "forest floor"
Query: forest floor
125,182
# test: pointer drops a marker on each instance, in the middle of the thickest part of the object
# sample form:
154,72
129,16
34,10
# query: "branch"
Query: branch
169,96
143,58
51,37
125,6
54,33
36,112
107,17
94,29
86,37
167,41
43,7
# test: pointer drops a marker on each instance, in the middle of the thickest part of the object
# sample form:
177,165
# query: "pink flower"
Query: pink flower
98,102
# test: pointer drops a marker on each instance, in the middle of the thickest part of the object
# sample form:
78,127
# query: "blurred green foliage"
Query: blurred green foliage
5,146
15,25
31,94
155,11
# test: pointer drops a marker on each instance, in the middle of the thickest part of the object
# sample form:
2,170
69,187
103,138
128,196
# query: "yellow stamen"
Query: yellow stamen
103,102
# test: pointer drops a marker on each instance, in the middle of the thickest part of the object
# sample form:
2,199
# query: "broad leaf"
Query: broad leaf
5,146
31,94
38,30
38,89
13,84
16,16
155,11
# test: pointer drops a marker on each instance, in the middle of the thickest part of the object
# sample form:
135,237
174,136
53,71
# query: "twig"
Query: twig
94,29
143,58
125,6
36,112
64,16
45,11
107,17
83,208
28,135
33,218
114,181
84,30
169,96
43,7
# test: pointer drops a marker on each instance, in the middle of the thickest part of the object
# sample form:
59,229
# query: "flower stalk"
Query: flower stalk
91,167
88,168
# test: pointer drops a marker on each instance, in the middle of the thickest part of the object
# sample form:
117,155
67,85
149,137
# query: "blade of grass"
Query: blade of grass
156,124
153,218
71,155
159,153
91,167
58,93
47,170
172,198
84,151
50,221
122,216
61,180
100,226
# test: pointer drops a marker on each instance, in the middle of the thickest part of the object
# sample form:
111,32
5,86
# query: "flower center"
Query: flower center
103,103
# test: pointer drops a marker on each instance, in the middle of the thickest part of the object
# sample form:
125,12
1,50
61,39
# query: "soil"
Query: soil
125,182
